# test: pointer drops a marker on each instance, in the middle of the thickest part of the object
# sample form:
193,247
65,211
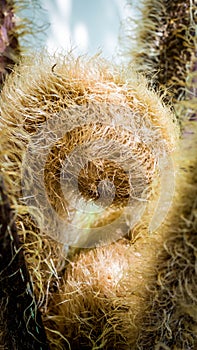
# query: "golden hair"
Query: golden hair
123,276
87,102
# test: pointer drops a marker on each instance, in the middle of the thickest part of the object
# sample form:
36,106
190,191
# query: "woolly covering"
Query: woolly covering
49,107
163,45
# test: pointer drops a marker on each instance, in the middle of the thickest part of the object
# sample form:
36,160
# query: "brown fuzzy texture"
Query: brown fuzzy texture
137,293
164,44
72,91
9,42
20,321
141,295
100,304
70,99
170,320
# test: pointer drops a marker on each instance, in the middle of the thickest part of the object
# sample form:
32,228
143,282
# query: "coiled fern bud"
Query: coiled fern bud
92,159
87,146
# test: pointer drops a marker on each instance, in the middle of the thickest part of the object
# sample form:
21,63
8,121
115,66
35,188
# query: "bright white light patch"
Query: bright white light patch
64,6
81,37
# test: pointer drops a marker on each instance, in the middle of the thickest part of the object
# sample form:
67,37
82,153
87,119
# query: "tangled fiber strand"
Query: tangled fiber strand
81,97
165,43
20,321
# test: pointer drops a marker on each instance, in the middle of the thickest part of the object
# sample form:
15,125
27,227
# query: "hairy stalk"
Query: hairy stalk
9,42
170,321
20,321
165,43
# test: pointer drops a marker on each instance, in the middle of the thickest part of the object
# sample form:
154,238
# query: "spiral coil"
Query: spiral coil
93,144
